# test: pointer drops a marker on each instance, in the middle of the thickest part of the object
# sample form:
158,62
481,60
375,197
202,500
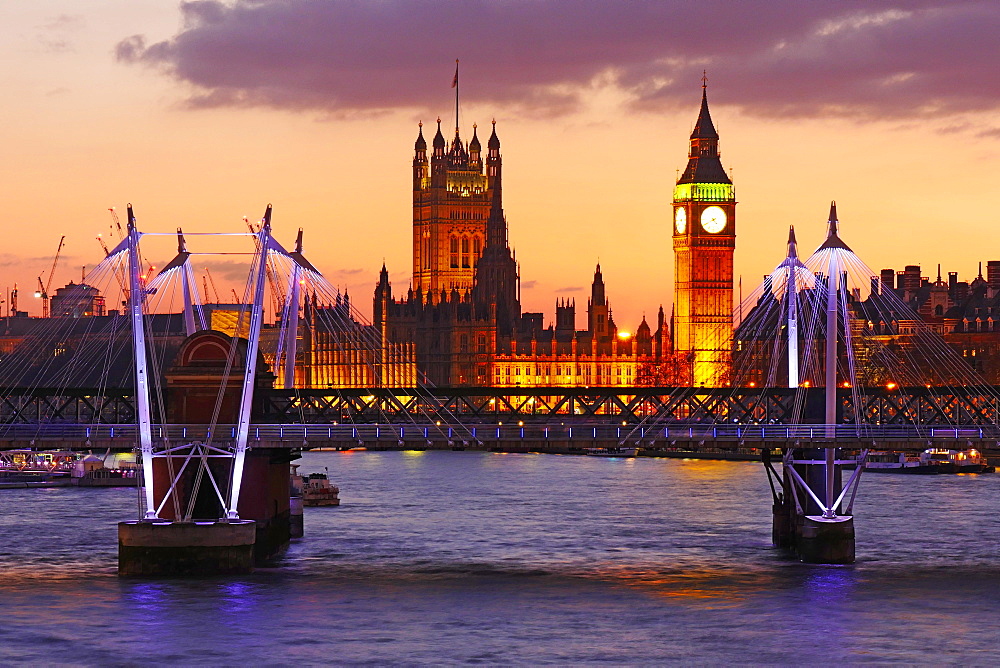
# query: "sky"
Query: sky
200,113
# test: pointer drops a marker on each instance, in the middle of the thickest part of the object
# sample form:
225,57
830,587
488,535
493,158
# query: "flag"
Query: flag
454,82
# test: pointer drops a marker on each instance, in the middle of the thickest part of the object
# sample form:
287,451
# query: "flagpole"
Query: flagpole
456,96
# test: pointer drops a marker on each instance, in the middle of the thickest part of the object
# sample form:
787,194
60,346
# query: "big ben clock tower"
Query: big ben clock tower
704,223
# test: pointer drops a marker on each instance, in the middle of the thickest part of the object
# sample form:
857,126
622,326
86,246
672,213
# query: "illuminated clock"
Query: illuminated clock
713,219
680,220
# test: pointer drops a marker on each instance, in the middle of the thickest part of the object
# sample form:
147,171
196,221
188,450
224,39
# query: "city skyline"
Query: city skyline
186,124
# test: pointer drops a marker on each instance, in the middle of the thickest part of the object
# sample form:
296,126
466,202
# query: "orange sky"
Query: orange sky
84,130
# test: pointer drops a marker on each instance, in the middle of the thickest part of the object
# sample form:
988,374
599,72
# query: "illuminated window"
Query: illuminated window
466,262
454,252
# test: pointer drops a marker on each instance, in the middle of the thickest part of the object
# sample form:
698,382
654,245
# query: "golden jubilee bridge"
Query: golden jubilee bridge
655,418
207,397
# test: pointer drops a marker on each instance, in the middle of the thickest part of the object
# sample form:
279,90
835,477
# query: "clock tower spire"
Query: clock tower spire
704,208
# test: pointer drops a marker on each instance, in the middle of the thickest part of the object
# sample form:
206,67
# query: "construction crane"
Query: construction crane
118,226
212,281
43,288
277,295
119,272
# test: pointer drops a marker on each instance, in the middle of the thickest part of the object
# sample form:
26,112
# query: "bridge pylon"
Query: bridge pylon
813,513
196,519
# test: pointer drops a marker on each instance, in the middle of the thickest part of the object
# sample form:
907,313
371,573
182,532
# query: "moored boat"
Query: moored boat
317,491
613,451
931,461
898,462
956,461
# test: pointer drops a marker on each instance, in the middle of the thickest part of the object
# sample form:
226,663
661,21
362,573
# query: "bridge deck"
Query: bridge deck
873,405
583,434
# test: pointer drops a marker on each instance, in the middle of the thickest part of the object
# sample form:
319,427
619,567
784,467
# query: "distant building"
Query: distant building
890,328
461,320
77,300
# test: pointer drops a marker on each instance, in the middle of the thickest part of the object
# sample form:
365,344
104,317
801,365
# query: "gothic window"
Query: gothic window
477,250
466,262
482,344
454,252
463,343
938,310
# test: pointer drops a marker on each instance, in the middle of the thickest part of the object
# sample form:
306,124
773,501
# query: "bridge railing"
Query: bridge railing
545,406
314,435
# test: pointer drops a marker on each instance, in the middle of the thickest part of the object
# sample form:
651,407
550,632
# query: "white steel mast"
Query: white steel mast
136,301
250,368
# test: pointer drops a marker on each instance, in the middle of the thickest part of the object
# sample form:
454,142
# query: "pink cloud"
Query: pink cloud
853,59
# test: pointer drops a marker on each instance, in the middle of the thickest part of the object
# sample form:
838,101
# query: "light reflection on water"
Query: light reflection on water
465,557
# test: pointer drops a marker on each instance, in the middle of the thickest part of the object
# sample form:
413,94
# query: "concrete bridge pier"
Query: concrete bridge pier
163,547
192,534
812,508
196,520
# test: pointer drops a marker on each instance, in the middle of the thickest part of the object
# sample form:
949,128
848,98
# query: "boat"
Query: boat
898,462
956,461
613,451
317,491
27,468
931,461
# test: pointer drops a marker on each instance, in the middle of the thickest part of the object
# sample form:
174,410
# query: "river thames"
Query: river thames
482,558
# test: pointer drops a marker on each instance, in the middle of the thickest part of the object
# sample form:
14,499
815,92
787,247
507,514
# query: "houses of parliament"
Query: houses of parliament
460,320
459,323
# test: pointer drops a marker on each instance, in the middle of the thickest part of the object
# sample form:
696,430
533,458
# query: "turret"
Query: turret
493,156
494,142
419,159
475,150
420,146
598,313
597,288
439,143
565,315
438,159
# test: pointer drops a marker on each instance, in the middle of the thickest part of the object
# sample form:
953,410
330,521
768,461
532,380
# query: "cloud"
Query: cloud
228,270
571,289
54,34
527,285
9,260
68,22
782,58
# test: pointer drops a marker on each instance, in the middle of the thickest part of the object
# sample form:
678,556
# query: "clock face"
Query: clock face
713,219
680,220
